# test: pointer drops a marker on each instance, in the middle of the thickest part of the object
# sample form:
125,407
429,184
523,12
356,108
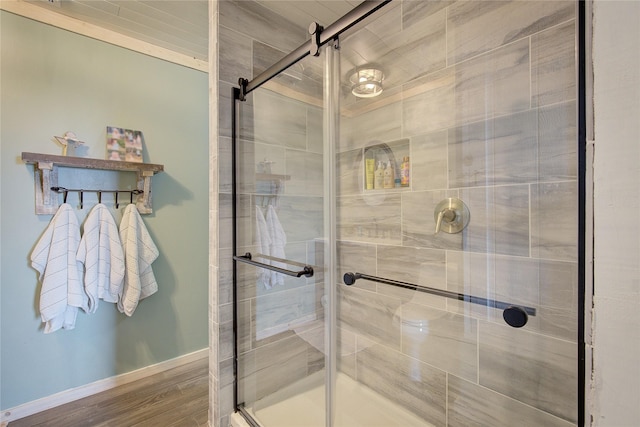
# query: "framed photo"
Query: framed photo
124,144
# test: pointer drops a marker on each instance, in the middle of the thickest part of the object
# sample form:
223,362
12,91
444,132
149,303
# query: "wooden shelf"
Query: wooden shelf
46,176
85,163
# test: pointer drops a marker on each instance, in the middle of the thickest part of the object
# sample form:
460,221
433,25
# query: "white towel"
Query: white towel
139,253
263,242
101,253
278,241
54,257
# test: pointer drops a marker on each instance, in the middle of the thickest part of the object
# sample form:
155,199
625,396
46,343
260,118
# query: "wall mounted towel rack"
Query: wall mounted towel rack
515,315
46,178
66,191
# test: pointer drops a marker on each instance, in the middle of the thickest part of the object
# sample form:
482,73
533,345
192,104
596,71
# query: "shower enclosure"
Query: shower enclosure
405,207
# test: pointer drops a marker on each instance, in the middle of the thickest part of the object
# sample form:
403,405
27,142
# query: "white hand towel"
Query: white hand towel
54,257
139,253
278,242
263,242
101,253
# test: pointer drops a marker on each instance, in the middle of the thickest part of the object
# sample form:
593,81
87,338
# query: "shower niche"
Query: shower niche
387,166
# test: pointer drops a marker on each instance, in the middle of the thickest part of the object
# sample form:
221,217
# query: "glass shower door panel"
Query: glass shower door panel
478,109
280,203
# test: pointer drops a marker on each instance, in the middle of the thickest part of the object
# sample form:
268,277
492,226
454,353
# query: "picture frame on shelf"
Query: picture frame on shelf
125,145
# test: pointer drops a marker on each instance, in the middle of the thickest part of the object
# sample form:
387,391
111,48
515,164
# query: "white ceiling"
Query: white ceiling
182,25
178,25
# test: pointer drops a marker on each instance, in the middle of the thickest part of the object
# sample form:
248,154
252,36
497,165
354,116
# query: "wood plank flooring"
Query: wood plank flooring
173,398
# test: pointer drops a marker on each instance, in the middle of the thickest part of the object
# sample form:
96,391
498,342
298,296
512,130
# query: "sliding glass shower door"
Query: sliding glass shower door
475,132
281,209
424,168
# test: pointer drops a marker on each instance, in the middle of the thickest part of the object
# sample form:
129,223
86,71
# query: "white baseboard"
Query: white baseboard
76,393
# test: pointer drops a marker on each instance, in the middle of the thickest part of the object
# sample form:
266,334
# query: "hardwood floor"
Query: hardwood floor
176,397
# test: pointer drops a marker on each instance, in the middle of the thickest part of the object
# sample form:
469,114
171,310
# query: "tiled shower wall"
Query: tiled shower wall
490,119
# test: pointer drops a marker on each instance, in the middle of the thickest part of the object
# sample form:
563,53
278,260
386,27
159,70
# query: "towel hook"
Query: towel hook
117,204
99,196
131,197
81,196
64,198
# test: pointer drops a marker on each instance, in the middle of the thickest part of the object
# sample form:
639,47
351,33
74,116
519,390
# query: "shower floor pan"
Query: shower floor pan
302,405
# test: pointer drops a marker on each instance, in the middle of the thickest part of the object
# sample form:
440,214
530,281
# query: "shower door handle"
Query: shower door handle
306,271
515,315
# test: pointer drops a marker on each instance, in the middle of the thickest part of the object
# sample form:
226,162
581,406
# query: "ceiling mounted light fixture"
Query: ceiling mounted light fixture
367,82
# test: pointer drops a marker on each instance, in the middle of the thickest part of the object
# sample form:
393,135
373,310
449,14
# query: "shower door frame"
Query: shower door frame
322,36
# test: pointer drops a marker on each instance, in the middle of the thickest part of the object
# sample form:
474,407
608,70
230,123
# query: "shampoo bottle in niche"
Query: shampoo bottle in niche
405,174
378,182
370,166
389,181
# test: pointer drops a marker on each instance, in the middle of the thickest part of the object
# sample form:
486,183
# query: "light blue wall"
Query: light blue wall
53,81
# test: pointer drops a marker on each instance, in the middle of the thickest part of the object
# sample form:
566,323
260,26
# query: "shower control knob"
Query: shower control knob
451,215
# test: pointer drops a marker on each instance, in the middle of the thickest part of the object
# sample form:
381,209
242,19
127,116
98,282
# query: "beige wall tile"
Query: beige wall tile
413,10
499,219
414,49
429,161
350,170
282,310
408,382
280,364
301,217
425,267
278,120
494,84
554,230
373,127
263,56
370,315
557,146
472,27
259,23
442,339
245,334
234,56
373,218
470,404
534,369
553,68
306,172
496,151
505,278
429,103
